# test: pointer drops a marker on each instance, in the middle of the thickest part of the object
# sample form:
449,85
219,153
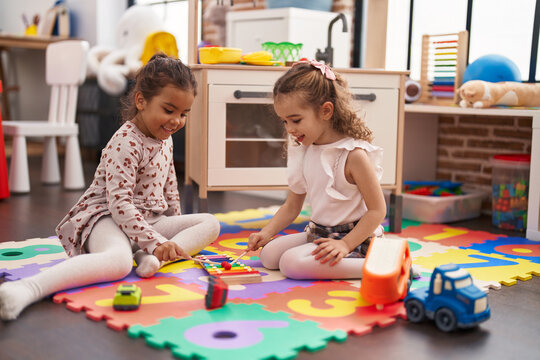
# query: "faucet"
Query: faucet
328,55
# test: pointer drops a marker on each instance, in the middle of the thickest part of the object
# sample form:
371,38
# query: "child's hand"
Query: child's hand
170,251
257,240
328,249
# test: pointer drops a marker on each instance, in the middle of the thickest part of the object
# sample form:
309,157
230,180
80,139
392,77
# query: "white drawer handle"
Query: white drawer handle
238,94
251,94
368,97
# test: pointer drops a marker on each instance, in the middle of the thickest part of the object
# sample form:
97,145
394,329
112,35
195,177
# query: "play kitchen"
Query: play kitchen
242,140
257,38
236,141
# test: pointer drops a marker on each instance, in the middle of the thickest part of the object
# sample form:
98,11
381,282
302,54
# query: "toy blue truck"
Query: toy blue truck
452,300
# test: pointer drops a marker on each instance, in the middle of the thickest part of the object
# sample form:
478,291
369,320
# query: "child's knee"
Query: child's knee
293,266
297,266
212,225
123,265
268,258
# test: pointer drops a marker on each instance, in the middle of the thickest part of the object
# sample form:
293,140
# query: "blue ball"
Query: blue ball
492,68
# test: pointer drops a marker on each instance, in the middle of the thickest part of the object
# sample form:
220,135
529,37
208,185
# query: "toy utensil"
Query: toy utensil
238,258
205,261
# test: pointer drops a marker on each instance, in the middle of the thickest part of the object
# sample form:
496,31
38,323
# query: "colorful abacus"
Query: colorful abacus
237,274
443,64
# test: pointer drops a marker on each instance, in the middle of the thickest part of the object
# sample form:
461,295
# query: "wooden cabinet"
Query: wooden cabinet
234,140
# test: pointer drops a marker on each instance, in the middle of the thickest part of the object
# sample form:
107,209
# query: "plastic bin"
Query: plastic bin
442,209
510,183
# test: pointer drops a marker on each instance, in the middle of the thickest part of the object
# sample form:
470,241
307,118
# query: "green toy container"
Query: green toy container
283,51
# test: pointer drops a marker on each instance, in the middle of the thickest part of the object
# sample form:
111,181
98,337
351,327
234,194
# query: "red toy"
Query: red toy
4,188
216,296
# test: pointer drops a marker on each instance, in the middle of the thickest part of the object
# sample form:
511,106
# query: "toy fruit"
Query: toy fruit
259,58
452,300
127,297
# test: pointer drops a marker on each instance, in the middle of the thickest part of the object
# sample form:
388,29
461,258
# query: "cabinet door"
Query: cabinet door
245,138
380,108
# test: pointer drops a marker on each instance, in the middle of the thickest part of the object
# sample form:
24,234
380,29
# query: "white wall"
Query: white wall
93,20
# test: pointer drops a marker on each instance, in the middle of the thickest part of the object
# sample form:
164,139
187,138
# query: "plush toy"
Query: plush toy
113,66
483,94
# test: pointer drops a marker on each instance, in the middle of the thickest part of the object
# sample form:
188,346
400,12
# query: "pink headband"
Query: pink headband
325,69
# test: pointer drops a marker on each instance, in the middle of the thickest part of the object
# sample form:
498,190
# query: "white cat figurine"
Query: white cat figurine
483,94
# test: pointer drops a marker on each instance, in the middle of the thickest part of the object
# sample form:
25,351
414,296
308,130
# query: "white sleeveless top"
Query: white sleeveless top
319,171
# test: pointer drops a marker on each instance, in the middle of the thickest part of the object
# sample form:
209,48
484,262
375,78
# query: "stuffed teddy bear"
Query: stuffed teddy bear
113,66
483,94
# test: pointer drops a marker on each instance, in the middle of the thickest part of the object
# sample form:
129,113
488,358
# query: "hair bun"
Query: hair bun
158,55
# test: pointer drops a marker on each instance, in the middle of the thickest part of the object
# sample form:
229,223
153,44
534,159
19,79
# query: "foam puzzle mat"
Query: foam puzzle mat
300,315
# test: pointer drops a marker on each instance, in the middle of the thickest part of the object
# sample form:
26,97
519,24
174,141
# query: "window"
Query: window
437,284
175,20
434,17
503,27
397,37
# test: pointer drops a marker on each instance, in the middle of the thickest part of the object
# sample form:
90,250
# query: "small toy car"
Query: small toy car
127,297
386,276
452,300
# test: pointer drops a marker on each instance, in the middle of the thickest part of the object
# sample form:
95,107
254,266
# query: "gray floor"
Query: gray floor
49,331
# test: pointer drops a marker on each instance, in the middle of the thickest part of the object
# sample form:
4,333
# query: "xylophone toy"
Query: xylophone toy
228,269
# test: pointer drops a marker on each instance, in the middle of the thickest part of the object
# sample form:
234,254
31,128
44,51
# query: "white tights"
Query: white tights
291,254
109,257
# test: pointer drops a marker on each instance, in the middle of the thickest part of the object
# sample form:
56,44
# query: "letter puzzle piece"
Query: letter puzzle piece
419,247
16,254
27,270
163,297
334,305
511,247
238,274
446,235
493,268
236,331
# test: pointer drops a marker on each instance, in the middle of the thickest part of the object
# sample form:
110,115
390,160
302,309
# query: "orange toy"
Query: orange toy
386,272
